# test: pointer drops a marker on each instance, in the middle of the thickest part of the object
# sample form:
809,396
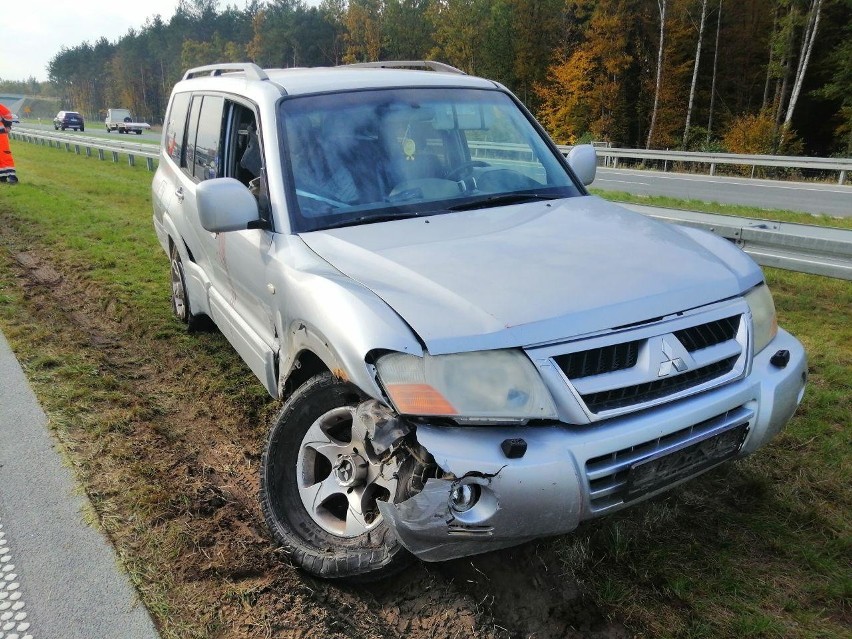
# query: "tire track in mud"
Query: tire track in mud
174,480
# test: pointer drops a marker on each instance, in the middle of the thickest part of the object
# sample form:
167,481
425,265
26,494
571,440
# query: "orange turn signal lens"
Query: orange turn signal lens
419,399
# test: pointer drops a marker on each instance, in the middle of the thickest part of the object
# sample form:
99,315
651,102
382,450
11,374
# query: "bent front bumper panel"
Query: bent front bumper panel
572,473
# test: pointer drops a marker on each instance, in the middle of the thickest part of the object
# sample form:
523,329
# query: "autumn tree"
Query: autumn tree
364,25
839,86
535,31
408,32
461,28
584,91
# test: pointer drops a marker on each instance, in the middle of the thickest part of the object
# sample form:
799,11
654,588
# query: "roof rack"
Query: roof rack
407,64
252,71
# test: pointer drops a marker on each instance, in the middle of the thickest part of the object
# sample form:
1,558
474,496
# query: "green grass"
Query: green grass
759,548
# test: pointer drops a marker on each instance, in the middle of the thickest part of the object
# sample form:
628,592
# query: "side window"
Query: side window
176,127
188,163
208,139
243,157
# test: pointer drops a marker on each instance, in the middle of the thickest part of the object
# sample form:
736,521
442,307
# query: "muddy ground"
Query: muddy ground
167,444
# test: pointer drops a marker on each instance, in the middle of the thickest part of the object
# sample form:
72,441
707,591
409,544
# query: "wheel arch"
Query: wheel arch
305,365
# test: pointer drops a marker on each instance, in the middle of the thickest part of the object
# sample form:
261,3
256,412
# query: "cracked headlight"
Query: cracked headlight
486,386
762,316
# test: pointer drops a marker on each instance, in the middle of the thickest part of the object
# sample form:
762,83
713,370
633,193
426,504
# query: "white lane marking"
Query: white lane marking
621,181
13,617
714,180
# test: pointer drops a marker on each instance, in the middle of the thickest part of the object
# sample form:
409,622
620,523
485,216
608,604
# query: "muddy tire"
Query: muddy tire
180,298
319,487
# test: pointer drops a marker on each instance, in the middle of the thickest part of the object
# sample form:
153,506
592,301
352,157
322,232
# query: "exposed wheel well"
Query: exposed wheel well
307,365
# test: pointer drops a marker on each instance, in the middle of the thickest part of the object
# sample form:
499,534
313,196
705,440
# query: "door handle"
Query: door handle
179,193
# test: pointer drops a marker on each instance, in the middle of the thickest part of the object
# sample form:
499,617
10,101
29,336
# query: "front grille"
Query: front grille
609,475
599,360
697,337
649,391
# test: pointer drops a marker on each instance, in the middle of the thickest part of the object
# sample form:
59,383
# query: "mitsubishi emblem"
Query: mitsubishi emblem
670,361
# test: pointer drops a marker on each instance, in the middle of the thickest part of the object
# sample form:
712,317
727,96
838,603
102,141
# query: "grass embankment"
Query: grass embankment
164,431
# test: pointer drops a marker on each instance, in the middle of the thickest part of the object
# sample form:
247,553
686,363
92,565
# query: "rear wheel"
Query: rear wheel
321,482
180,298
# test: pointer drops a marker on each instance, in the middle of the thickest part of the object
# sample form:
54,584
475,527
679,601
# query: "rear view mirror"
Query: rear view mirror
225,204
583,160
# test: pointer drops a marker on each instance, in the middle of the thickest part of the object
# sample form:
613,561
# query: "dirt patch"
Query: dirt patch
170,462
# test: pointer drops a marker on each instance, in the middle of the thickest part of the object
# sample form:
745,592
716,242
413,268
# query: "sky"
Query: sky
32,32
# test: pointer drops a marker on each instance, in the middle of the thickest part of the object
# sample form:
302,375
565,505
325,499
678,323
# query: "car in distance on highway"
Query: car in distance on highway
15,119
122,120
69,120
473,351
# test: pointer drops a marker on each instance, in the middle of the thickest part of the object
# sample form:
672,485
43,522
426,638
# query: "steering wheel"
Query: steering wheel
464,168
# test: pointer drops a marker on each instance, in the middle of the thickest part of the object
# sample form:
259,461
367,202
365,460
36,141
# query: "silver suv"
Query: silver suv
473,351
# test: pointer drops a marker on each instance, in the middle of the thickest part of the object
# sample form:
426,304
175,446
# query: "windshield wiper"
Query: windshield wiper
368,219
503,199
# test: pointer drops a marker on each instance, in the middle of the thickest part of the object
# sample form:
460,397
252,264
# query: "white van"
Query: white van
122,120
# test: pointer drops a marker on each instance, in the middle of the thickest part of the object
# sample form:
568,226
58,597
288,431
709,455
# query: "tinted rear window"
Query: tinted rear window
176,126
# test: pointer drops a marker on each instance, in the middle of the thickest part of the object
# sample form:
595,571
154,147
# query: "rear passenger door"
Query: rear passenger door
221,139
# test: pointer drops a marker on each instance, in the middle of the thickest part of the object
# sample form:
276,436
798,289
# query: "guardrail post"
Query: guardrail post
712,168
115,157
88,151
842,177
150,163
68,147
100,154
131,160
77,149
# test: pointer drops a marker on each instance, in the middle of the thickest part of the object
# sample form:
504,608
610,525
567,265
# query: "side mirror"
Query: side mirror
225,204
583,160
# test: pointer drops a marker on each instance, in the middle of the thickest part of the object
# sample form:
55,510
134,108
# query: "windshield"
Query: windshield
369,156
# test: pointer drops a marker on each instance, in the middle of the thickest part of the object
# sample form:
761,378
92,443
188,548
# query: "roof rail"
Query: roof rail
407,64
252,71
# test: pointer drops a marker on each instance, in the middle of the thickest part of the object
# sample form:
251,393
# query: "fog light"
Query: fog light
464,497
780,359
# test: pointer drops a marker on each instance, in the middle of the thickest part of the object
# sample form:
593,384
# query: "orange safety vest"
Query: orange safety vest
7,164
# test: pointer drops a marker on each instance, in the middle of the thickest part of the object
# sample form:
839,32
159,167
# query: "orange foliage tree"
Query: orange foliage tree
584,91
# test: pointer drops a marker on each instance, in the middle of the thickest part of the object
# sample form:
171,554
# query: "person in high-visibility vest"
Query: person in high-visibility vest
7,164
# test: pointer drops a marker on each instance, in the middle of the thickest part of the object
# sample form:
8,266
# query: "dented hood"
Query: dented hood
533,273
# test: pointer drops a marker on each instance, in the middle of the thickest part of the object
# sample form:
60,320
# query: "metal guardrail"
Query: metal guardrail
798,247
819,250
842,165
86,145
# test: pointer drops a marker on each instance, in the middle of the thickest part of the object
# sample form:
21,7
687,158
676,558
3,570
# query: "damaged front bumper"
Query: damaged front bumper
570,473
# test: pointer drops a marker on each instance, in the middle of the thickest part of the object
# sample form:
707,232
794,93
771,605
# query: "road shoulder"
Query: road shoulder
66,571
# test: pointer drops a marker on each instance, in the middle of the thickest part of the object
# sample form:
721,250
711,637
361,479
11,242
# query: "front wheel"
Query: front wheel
320,483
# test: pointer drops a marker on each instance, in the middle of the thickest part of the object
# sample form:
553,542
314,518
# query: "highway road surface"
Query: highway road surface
804,197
